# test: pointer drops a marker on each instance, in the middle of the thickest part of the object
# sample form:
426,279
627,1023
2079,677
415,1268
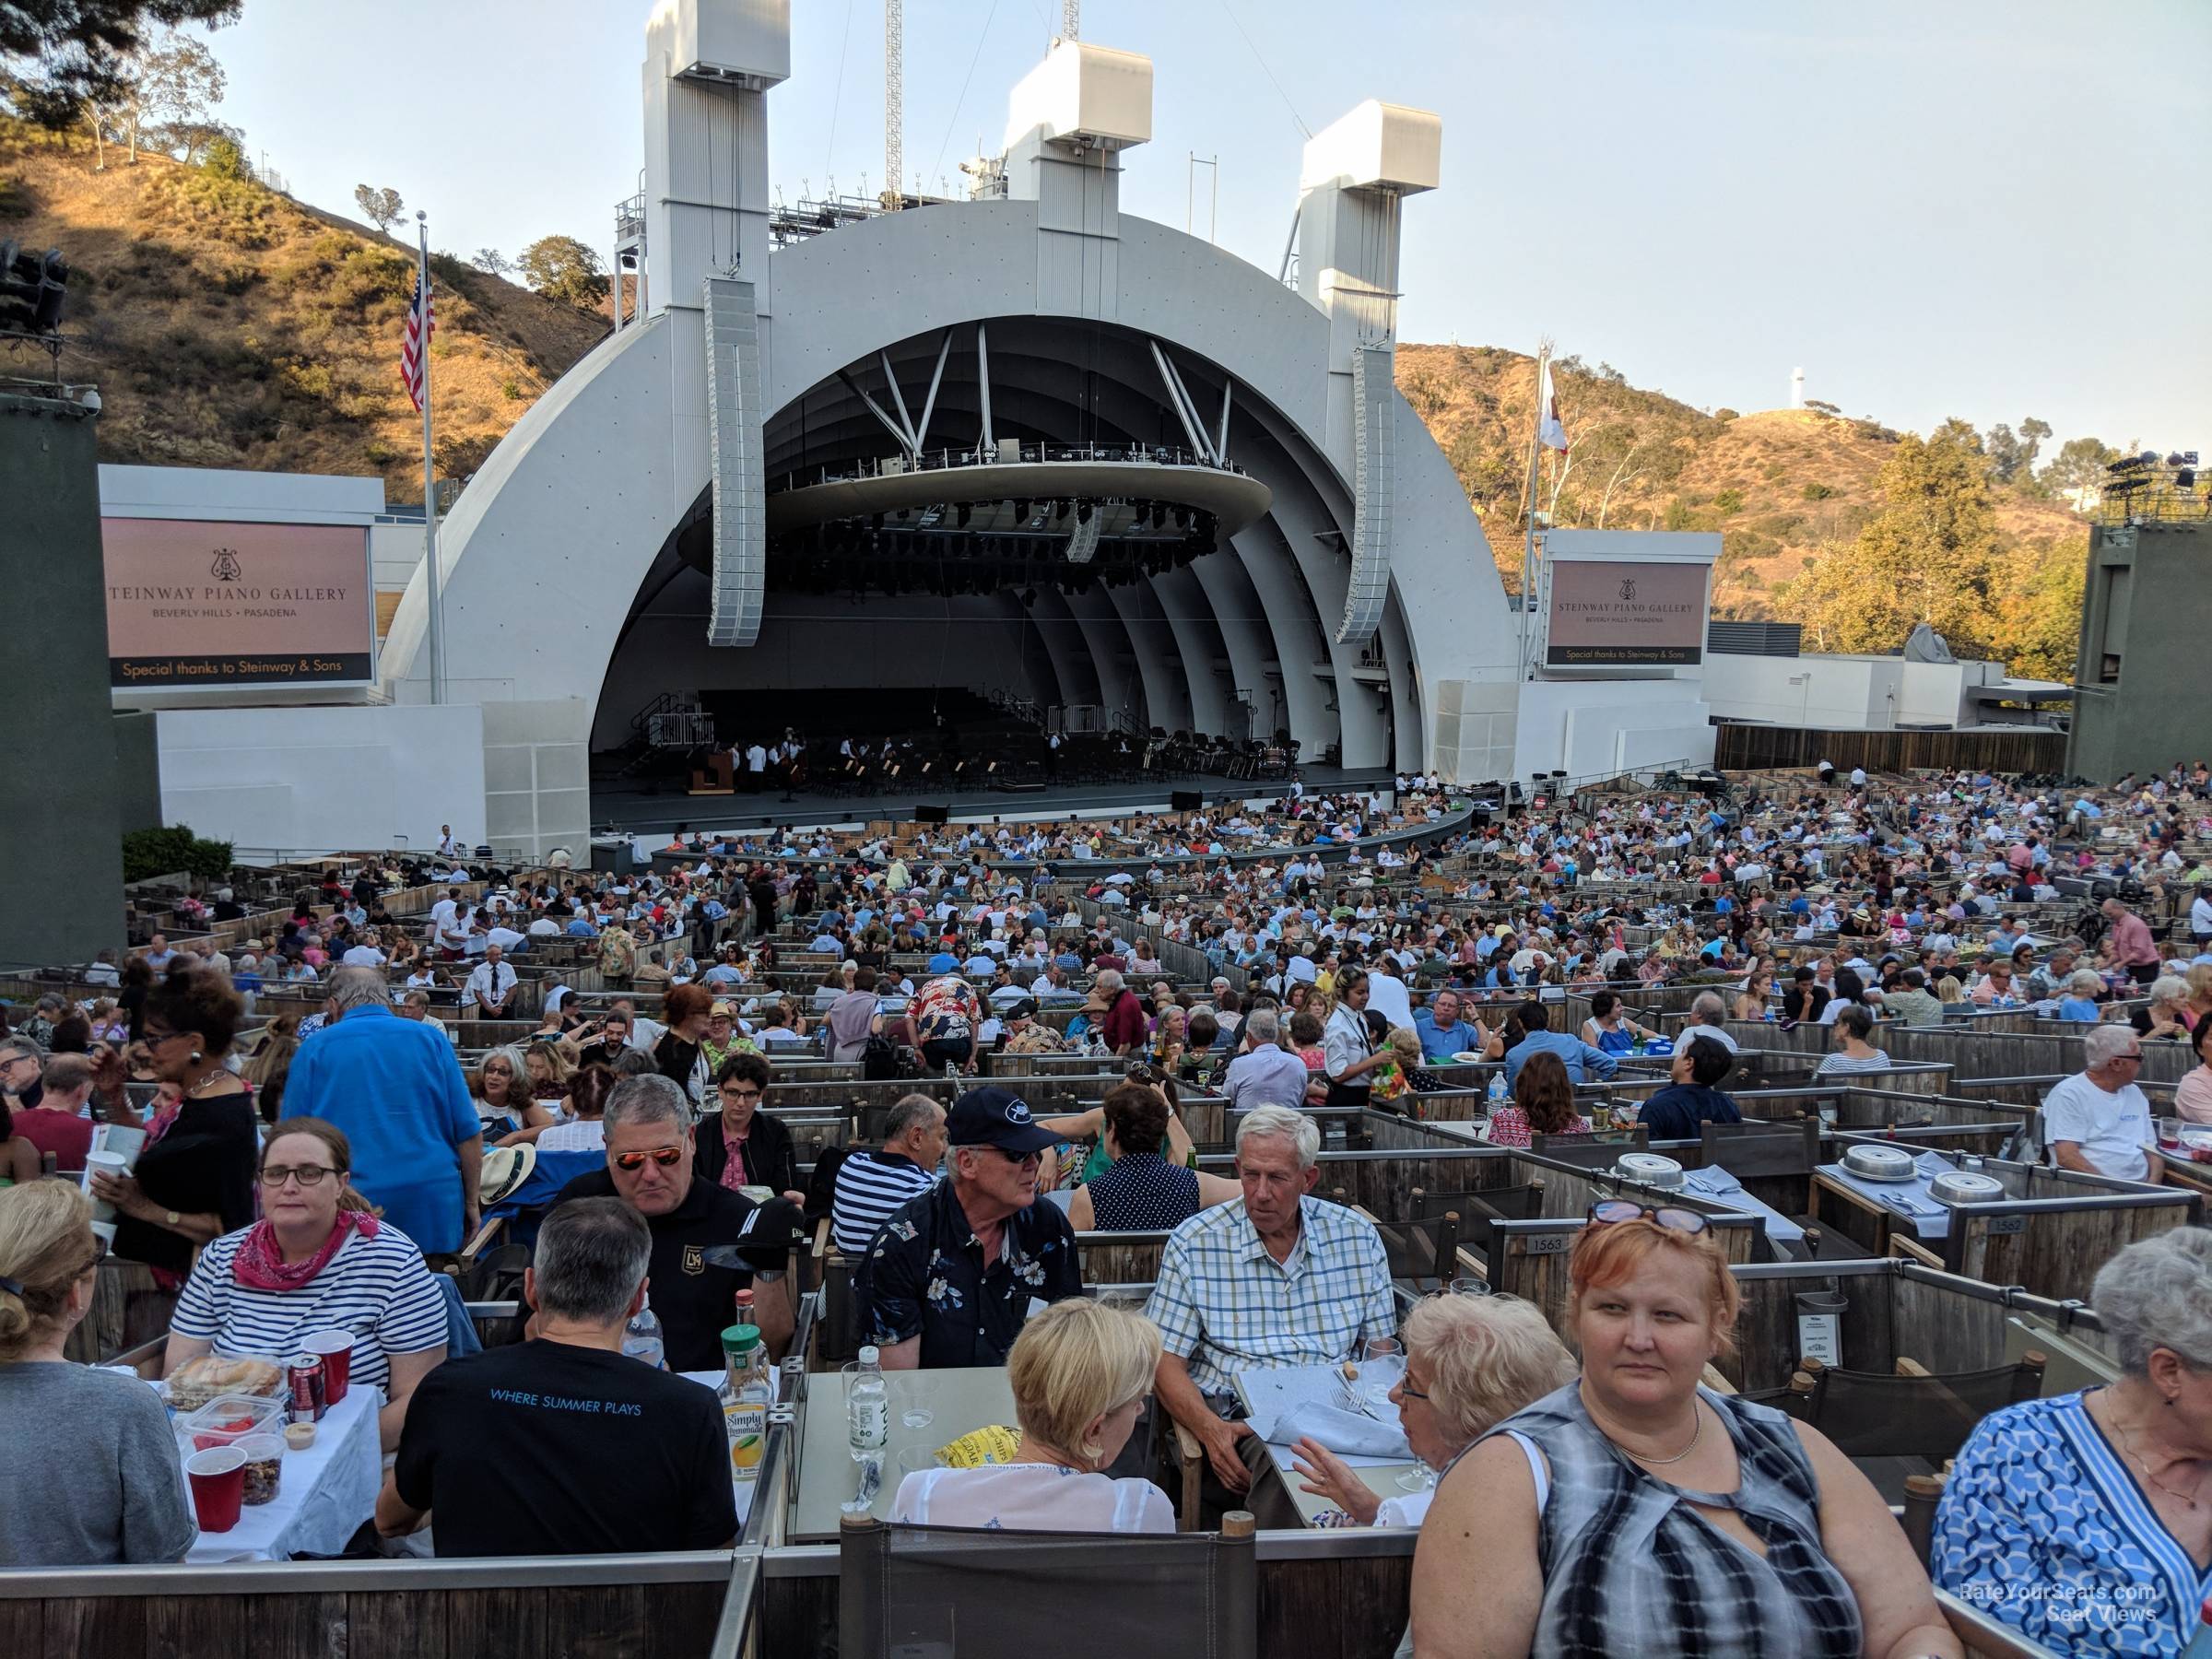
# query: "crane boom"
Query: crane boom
1071,19
894,104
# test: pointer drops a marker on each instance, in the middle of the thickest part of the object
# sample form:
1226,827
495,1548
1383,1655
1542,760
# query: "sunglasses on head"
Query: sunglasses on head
630,1163
1608,1210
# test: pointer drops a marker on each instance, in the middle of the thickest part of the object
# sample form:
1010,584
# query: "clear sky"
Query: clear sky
1992,208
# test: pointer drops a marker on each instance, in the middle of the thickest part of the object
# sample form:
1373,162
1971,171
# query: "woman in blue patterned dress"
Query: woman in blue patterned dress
1636,1512
2085,1520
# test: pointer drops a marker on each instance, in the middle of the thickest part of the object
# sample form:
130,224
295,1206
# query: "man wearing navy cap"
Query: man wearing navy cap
957,1270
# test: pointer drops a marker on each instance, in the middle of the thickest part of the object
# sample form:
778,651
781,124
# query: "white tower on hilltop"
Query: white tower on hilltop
1796,388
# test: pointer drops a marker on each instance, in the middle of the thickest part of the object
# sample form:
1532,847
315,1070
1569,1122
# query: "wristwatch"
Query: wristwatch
171,1217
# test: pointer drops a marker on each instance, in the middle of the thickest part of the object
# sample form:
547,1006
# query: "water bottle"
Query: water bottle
641,1337
952,1074
1497,1090
746,1397
867,1407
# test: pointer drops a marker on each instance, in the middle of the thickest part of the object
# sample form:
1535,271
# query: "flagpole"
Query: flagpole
430,483
1528,543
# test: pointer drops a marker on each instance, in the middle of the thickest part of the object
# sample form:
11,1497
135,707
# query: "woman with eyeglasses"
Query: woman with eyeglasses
193,1178
1471,1362
740,1144
117,1496
1637,1511
319,1259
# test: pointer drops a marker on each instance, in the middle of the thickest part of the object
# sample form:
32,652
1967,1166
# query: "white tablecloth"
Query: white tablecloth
323,1496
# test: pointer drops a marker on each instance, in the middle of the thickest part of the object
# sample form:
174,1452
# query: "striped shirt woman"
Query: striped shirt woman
375,1286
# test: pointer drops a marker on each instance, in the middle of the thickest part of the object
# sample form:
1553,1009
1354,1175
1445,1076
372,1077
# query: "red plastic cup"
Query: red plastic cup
218,1486
336,1350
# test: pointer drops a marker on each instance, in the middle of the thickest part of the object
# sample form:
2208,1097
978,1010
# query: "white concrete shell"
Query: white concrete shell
573,515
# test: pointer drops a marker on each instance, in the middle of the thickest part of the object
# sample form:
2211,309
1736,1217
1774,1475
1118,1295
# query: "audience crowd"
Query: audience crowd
322,1116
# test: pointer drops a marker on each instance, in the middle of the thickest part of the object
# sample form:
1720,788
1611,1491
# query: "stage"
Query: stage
639,810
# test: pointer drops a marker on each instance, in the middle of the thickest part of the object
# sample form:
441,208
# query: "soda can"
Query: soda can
304,1375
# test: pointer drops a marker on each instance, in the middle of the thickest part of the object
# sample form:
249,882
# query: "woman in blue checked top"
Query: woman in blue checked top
1638,1512
2085,1520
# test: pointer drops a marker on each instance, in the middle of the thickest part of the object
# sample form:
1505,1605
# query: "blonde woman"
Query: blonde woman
122,1500
546,1069
1081,1371
1471,1362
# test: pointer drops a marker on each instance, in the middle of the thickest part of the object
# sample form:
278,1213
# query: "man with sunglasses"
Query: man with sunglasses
957,1271
648,1167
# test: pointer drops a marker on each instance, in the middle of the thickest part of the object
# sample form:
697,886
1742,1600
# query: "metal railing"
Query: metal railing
1032,454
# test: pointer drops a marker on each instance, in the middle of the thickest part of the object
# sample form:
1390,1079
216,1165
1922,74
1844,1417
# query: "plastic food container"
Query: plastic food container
265,1468
229,1418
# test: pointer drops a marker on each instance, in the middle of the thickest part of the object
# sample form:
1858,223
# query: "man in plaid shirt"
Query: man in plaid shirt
1278,1279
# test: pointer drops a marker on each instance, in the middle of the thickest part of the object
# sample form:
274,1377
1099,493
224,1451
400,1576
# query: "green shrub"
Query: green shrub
1729,501
1724,415
1816,493
511,391
151,852
225,160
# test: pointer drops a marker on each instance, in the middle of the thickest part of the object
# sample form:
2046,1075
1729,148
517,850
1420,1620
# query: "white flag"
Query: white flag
1549,432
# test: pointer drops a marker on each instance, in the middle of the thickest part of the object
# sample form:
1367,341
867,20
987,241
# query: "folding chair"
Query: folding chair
988,1594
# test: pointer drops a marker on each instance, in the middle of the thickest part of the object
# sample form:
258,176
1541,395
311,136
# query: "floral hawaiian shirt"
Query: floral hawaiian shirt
925,1276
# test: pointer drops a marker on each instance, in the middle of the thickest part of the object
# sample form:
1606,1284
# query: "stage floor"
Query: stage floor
632,809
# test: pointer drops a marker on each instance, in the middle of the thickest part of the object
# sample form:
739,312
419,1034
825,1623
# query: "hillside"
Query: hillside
228,325
1783,485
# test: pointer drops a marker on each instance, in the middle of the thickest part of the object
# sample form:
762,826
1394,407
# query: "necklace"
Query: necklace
1696,1429
2127,1443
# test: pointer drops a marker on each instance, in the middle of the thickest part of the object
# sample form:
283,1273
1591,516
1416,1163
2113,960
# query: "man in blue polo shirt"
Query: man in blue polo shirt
1441,1033
396,1090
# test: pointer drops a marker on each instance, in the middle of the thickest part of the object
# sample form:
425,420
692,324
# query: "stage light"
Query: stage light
1159,515
1029,595
1083,512
963,515
1059,511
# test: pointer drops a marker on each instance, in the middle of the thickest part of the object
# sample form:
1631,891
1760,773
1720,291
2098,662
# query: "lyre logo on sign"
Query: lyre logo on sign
224,568
1628,590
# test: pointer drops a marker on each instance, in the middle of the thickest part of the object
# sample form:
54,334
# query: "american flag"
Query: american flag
421,324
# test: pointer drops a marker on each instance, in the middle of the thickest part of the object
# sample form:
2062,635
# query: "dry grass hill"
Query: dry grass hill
1782,486
228,325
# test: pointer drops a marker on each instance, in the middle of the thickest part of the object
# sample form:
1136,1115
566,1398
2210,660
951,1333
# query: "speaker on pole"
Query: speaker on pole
931,815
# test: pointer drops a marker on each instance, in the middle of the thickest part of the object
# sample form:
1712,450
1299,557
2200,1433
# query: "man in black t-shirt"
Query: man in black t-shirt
648,1167
562,1445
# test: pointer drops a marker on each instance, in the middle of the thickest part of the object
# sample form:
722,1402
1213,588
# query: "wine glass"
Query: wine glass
1418,1478
1388,1353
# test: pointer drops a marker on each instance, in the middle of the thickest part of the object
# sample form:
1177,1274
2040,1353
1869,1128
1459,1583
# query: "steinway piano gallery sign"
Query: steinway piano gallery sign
201,602
1612,613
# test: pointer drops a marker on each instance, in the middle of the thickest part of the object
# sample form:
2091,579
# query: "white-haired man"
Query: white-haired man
1277,1278
2097,1121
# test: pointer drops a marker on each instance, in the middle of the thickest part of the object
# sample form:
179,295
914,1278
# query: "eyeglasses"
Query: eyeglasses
1025,1159
666,1157
731,1091
153,1038
307,1175
1608,1210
